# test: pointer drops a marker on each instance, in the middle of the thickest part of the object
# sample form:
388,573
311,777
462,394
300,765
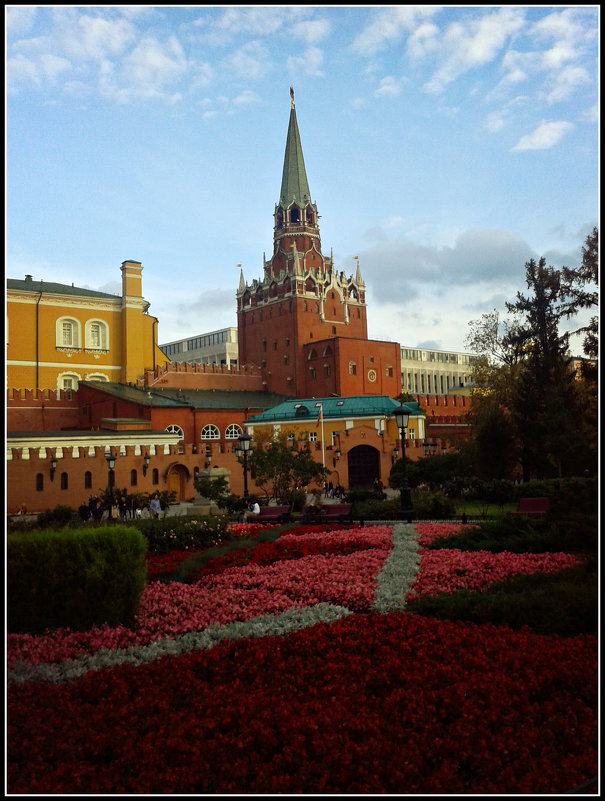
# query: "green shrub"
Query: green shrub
562,603
517,534
59,517
372,509
432,506
75,578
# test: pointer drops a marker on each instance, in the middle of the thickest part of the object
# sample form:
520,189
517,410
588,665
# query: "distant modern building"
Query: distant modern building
214,347
435,372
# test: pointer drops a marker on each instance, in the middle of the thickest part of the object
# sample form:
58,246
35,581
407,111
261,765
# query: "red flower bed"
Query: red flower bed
370,704
160,564
293,544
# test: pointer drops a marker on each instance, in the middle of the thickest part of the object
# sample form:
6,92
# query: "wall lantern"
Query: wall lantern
53,467
146,461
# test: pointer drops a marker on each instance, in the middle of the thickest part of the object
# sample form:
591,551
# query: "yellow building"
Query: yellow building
355,438
58,335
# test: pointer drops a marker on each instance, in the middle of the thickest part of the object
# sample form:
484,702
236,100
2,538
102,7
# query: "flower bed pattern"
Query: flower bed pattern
315,698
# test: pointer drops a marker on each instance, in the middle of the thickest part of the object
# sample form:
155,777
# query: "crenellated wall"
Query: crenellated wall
82,472
41,410
189,375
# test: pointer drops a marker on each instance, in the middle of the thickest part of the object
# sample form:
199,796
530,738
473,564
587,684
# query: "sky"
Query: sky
444,148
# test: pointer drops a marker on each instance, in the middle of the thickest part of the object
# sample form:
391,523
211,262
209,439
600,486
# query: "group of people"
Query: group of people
121,509
331,491
93,510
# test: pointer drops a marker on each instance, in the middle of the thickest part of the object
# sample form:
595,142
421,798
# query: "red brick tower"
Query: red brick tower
290,321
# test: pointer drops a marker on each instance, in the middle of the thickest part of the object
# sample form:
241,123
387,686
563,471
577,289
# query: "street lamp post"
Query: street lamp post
244,443
402,415
111,463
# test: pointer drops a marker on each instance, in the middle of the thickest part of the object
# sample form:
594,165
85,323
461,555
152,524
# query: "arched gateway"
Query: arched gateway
364,466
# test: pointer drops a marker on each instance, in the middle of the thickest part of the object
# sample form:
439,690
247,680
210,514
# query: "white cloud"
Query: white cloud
388,87
250,62
566,82
466,45
308,63
19,19
311,30
389,25
423,40
544,136
245,98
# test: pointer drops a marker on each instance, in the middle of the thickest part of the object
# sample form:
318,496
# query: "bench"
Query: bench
280,514
531,507
330,512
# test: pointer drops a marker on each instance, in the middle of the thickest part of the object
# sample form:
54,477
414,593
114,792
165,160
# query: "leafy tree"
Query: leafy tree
283,471
494,339
546,409
216,488
579,296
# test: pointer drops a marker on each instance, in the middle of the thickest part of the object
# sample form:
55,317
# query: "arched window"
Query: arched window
294,214
155,476
67,333
233,431
96,335
210,432
39,482
352,368
87,480
174,429
96,377
64,481
133,478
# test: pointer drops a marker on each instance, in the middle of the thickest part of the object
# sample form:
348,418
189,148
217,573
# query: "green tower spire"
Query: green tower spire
294,184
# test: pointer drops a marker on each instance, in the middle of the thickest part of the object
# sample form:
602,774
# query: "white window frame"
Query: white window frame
210,431
74,377
174,429
103,343
75,330
233,431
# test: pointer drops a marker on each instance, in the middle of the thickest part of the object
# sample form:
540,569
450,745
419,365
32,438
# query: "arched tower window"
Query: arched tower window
295,215
279,218
310,216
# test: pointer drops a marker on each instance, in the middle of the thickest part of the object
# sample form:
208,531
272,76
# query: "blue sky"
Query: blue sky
444,147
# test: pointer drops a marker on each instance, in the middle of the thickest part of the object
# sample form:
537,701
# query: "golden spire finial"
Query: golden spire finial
292,96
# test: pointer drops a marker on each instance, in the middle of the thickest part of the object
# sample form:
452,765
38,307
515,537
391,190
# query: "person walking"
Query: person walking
154,506
123,509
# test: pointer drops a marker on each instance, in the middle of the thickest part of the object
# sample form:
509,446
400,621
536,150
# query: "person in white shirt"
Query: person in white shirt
252,511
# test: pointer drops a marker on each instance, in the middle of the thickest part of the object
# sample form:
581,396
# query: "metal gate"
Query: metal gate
364,467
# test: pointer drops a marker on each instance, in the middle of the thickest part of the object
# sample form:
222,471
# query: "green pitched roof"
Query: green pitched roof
294,184
297,410
28,285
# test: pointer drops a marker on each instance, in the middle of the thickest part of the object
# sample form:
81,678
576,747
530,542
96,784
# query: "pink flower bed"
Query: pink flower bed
239,593
449,570
430,531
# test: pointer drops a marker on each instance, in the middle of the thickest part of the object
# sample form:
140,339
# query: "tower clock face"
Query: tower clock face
371,375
